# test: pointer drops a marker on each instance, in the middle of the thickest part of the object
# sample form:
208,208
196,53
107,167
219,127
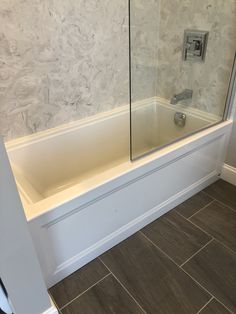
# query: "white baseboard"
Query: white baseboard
229,174
52,309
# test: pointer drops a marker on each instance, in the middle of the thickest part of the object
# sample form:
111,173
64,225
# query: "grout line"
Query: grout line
207,233
127,291
54,302
225,246
196,252
179,266
205,305
222,203
170,258
190,221
181,215
213,239
209,195
201,209
224,306
195,280
210,235
85,291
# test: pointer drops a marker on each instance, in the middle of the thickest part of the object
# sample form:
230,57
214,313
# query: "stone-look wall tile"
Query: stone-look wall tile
60,61
64,60
208,80
144,19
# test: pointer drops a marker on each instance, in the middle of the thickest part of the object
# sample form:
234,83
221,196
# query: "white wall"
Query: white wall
19,268
231,155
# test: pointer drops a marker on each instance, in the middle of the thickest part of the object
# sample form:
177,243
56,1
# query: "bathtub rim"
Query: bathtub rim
27,140
58,200
126,173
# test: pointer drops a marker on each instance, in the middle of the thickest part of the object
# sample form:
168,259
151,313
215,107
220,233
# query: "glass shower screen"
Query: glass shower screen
180,67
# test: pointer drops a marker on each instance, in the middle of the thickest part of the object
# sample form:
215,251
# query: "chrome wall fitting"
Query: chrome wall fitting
186,94
195,44
180,119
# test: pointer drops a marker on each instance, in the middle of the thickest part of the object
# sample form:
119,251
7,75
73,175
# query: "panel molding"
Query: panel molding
129,229
62,263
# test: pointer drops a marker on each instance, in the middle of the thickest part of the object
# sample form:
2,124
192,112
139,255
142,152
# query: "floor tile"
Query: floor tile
219,221
176,236
214,307
107,296
215,269
69,288
224,192
153,279
193,204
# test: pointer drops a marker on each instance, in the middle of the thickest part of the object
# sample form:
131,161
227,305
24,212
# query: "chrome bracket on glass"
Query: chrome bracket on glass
195,43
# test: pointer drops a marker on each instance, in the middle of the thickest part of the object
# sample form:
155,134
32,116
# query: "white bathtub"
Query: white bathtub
81,193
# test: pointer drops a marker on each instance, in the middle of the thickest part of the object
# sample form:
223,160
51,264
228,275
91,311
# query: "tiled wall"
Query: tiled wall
209,80
64,60
60,61
145,21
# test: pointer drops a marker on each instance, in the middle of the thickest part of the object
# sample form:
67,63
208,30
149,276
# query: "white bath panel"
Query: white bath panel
81,193
72,234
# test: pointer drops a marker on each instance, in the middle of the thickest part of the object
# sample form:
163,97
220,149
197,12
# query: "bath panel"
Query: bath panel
103,207
70,241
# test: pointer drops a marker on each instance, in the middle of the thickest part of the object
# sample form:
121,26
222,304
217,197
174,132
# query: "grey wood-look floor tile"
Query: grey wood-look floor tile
176,236
214,307
219,221
153,279
107,297
214,268
224,192
193,204
69,288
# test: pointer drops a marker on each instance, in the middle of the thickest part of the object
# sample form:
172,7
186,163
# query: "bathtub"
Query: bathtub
82,194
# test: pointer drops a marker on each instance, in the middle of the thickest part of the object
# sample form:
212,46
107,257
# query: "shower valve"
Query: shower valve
195,43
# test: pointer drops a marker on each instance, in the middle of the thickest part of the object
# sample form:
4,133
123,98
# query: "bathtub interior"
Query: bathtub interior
89,150
52,164
153,125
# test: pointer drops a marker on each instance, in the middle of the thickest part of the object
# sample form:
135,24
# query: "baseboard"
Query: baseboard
126,231
229,174
52,309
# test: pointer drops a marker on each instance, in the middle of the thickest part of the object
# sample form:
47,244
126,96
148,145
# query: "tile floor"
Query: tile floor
184,262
